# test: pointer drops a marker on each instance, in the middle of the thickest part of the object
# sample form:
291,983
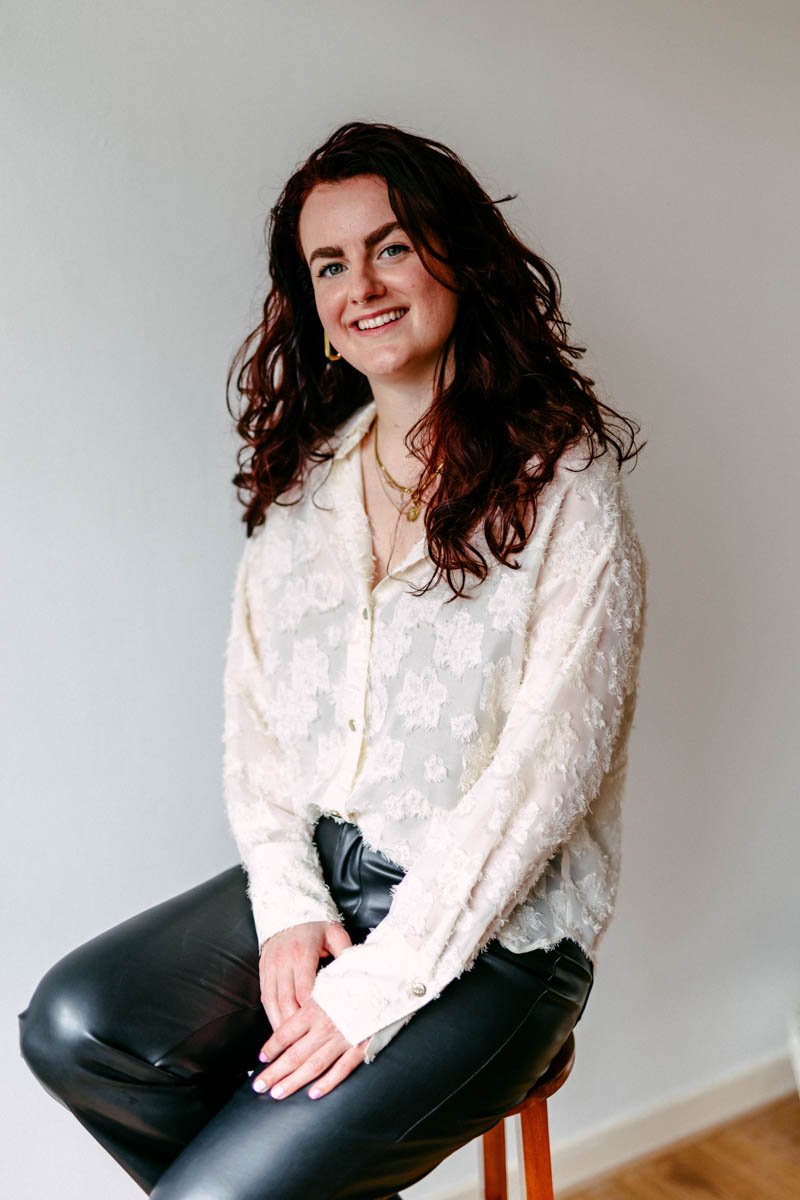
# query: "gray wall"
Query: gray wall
653,149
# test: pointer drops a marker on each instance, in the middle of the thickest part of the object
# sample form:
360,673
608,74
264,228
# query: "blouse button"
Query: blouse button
365,614
417,988
352,724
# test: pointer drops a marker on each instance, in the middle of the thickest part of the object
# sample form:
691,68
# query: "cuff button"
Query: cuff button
417,988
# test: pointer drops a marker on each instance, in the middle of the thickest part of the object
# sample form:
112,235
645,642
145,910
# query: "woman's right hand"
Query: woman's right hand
287,965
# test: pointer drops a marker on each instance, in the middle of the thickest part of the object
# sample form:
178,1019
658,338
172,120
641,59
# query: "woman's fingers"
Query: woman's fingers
304,1049
287,1002
289,962
269,991
326,1065
337,939
300,1064
341,1068
305,974
268,997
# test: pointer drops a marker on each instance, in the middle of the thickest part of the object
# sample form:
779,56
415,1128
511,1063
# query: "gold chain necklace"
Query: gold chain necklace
414,506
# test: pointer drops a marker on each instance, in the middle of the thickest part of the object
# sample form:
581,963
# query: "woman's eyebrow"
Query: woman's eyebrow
369,241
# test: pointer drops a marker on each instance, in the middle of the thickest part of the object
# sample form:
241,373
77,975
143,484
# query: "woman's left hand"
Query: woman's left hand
302,1048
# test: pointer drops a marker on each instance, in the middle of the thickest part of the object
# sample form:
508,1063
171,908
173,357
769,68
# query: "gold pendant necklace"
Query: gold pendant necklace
415,504
410,513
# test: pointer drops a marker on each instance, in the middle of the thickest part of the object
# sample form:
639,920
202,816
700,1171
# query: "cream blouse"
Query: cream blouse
481,745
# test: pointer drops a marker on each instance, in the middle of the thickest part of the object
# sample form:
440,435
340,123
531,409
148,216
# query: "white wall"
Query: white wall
653,148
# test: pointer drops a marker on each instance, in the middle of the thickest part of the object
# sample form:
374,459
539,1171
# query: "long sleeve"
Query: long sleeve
285,881
575,699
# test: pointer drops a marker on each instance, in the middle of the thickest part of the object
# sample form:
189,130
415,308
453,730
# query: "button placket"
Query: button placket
357,683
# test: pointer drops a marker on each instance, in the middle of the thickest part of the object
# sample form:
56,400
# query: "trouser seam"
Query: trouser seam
362,1164
486,1062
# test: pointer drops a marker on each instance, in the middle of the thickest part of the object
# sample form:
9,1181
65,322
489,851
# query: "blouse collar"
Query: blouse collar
347,437
353,429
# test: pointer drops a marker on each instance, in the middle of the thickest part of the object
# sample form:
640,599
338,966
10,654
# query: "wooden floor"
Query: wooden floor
756,1157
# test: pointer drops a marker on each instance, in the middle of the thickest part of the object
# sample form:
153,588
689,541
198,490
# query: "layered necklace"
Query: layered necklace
410,504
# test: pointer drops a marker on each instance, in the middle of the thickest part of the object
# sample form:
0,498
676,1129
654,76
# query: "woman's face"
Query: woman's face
362,265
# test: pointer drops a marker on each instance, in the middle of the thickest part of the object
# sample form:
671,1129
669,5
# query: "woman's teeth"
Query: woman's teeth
383,319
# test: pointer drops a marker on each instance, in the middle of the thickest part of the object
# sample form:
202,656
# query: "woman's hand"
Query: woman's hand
303,1035
288,965
302,1049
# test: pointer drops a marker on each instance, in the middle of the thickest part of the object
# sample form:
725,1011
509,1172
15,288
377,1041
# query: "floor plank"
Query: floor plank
755,1157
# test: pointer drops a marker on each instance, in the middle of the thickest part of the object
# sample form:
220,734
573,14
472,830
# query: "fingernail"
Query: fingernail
262,1056
315,1093
277,1092
259,1086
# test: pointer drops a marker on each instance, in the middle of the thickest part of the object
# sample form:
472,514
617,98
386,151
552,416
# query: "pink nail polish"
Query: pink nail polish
262,1056
315,1093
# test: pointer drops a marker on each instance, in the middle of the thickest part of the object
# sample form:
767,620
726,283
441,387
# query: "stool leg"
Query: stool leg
536,1152
493,1158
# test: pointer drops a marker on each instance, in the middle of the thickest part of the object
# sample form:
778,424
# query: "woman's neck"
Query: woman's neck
398,407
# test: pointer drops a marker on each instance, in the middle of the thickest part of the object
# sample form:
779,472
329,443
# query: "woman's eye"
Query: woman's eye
328,272
395,246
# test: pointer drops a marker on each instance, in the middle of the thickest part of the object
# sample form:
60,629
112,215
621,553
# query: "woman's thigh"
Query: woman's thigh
448,1075
175,986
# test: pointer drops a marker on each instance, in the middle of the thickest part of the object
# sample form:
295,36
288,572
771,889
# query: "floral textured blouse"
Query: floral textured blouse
480,745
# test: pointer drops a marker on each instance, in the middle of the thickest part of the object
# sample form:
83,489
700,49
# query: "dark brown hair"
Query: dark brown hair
515,401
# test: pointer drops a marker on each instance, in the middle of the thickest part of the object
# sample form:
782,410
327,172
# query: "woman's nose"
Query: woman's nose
364,284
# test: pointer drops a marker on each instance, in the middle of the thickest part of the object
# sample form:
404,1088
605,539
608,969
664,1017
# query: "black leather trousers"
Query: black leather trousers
149,1033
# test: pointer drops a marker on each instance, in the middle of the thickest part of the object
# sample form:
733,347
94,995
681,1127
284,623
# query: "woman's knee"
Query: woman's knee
209,1190
55,1028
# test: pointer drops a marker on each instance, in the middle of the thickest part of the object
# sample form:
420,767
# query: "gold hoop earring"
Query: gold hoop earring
331,357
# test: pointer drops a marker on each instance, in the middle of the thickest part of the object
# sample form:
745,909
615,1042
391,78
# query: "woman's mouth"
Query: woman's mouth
373,325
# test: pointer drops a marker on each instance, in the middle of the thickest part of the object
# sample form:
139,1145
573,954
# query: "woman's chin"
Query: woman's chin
395,368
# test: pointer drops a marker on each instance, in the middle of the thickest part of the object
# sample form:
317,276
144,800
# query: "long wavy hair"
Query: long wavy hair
514,401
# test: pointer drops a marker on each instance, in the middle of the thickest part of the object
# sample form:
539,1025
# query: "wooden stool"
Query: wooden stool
535,1135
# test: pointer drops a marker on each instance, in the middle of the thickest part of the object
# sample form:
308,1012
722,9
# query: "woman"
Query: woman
423,767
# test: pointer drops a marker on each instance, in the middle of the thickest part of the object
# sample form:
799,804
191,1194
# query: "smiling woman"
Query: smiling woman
409,314
430,682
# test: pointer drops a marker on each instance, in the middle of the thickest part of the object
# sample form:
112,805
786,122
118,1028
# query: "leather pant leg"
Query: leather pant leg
163,1077
146,1031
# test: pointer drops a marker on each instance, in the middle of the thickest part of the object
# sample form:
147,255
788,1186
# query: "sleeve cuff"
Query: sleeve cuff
371,991
270,917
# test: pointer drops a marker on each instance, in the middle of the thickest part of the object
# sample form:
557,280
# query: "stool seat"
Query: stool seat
532,1109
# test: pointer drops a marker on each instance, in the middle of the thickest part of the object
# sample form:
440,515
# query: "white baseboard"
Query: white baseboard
607,1147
